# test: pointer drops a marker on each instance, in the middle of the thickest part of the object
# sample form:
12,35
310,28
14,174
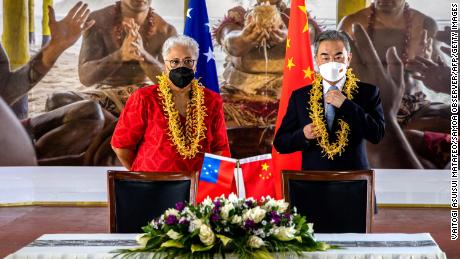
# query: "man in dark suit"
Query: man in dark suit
346,112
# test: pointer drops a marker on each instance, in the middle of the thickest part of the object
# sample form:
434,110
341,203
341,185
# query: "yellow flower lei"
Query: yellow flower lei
187,145
317,116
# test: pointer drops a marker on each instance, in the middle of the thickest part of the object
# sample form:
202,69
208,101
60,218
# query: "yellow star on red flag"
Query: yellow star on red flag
303,9
307,73
291,64
265,166
298,59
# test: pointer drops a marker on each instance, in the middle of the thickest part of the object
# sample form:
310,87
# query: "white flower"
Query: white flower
142,239
258,232
194,225
154,224
207,202
233,198
226,210
264,222
173,234
206,235
256,214
171,212
284,233
279,204
255,242
269,204
236,219
187,211
282,206
310,228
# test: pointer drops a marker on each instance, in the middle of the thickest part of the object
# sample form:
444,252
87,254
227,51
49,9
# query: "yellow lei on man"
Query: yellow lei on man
188,144
317,116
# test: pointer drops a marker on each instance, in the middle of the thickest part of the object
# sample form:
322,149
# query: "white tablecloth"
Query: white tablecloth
354,246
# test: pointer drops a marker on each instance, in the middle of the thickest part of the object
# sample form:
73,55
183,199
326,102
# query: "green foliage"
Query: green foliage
247,228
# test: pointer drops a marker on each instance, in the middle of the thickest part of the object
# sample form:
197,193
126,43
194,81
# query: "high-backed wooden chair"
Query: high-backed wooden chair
135,198
336,202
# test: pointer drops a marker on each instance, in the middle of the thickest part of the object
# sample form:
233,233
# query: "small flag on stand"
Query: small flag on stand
258,176
216,177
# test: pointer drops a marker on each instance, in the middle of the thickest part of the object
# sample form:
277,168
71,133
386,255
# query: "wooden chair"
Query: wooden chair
336,202
135,198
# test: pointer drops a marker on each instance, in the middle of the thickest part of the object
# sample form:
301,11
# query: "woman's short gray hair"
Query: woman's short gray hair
181,40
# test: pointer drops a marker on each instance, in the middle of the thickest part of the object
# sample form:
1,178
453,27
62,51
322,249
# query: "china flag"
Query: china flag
216,177
298,72
258,176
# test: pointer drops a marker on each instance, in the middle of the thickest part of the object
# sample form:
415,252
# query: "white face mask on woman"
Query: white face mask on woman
333,71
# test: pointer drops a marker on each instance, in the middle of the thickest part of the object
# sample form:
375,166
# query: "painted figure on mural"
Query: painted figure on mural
120,54
424,111
254,41
62,135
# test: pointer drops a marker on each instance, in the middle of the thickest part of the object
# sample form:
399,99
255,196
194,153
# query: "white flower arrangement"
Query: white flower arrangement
246,227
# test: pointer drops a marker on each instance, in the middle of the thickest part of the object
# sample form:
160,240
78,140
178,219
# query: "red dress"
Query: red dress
142,127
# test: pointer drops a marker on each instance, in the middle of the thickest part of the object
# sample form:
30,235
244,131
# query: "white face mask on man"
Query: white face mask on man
333,71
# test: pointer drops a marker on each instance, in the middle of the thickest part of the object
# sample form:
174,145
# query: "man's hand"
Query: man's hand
435,75
310,131
277,36
141,52
335,97
368,66
65,33
128,50
252,35
425,46
390,80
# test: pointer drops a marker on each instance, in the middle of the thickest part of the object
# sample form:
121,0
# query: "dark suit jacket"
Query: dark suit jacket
364,114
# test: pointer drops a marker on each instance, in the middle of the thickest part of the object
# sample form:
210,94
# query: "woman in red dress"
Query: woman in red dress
169,126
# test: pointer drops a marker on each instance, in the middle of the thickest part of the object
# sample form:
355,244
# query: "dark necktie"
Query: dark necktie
330,110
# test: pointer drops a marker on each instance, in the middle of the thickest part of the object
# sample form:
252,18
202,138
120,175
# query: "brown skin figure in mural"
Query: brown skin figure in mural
52,134
397,143
393,23
252,83
120,53
122,49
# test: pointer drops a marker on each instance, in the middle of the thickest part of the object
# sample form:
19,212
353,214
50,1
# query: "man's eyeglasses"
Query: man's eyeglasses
188,62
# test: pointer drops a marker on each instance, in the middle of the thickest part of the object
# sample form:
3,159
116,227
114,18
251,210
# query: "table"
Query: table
356,246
